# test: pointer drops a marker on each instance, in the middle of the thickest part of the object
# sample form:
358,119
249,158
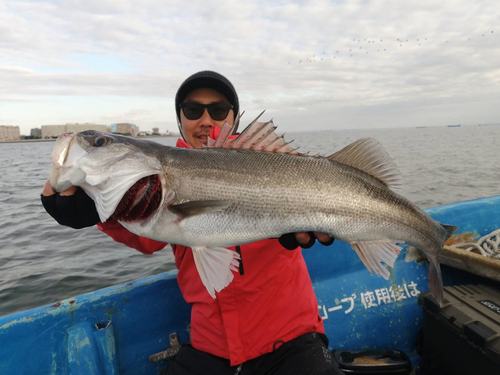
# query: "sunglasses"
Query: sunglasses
194,110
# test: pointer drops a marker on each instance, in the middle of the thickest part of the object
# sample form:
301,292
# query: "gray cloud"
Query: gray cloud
418,62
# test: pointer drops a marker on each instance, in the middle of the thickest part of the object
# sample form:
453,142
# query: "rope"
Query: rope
488,246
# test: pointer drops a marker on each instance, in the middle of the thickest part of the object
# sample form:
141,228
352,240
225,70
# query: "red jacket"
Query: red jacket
270,300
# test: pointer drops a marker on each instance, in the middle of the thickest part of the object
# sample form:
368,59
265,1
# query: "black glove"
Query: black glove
289,242
76,211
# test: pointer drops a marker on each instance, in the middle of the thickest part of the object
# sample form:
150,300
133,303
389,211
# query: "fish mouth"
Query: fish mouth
140,201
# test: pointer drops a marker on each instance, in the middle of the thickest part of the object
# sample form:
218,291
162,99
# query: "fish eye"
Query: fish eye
100,141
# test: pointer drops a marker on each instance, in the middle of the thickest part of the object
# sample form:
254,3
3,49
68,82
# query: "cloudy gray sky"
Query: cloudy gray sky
313,65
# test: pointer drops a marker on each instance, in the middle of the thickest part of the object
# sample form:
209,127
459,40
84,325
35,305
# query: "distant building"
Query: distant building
54,131
156,131
125,128
36,133
9,133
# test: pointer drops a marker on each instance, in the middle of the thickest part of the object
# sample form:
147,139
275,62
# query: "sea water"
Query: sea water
42,262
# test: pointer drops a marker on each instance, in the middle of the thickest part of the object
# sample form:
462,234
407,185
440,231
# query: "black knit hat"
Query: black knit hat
210,80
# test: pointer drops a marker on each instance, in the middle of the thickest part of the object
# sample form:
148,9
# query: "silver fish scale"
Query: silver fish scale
272,194
260,195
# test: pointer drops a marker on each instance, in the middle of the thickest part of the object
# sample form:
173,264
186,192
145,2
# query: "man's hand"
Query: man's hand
305,240
72,207
48,191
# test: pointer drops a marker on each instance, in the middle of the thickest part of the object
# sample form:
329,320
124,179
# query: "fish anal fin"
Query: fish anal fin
215,266
368,155
192,208
372,254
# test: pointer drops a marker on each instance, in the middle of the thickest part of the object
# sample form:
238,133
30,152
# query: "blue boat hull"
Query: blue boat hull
115,330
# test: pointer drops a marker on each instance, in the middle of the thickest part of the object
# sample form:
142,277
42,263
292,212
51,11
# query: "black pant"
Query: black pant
305,355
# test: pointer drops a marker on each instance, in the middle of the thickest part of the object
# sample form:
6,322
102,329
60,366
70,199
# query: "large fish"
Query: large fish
246,189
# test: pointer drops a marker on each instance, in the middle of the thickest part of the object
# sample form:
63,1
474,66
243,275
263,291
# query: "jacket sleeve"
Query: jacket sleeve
118,233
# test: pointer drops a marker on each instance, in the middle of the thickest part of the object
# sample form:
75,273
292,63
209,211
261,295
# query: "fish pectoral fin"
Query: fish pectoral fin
215,266
187,209
372,254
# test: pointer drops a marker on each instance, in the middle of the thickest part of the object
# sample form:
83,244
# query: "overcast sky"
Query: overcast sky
313,65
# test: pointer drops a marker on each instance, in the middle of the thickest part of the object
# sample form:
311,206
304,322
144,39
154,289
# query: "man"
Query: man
266,320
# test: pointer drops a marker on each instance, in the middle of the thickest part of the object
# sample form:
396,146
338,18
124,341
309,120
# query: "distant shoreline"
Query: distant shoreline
54,139
26,140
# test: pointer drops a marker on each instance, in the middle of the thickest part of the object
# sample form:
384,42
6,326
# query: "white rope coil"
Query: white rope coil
488,246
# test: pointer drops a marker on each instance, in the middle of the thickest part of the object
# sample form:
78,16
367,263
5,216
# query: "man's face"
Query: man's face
196,131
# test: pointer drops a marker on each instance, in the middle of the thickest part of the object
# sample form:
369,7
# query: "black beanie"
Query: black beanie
210,80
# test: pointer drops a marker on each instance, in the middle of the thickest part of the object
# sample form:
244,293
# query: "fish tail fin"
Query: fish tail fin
434,276
436,281
215,266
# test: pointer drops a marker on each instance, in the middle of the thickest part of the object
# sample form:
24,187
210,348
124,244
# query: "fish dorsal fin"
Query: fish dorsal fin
248,132
257,136
224,134
368,155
